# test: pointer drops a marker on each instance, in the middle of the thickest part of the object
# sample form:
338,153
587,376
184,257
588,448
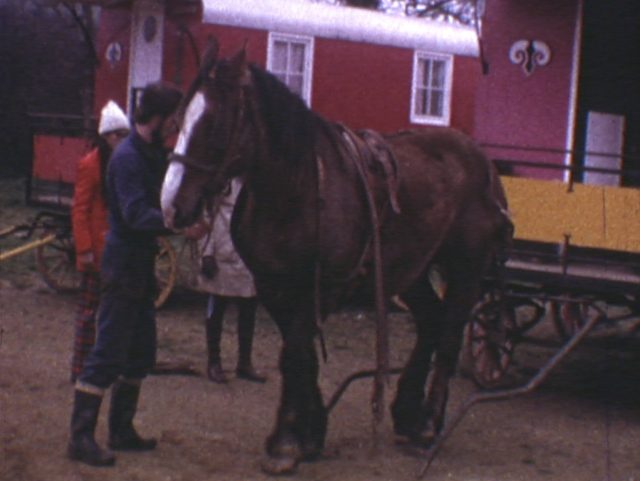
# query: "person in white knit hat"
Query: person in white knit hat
89,222
113,121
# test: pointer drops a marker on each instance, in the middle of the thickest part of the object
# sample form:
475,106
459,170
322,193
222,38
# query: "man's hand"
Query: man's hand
196,231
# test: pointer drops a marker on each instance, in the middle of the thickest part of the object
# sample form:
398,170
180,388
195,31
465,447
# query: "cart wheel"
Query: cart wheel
490,340
166,268
569,316
56,263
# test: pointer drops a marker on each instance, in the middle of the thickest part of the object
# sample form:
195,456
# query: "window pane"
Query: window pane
423,78
438,74
421,102
290,60
296,63
295,84
431,86
437,103
279,59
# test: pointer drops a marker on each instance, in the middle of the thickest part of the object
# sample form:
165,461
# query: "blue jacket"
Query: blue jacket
134,179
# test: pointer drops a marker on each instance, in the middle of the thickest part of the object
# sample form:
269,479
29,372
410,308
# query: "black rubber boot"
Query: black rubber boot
122,434
213,325
82,446
246,326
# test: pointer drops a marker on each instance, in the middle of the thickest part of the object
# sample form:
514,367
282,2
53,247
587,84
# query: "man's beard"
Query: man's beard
156,138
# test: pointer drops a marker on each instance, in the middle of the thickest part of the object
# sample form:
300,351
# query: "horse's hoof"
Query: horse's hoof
310,454
419,440
423,439
411,449
279,466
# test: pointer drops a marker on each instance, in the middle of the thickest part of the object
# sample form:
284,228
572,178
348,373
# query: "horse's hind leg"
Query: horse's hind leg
409,418
463,291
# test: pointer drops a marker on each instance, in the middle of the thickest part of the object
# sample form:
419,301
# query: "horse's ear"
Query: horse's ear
239,65
207,63
210,56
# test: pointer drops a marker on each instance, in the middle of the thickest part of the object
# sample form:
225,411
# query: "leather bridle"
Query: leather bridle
218,172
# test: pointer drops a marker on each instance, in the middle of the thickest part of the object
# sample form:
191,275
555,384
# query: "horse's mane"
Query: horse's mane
291,126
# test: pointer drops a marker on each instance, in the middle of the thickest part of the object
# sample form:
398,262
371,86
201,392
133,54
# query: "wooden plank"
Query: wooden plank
601,217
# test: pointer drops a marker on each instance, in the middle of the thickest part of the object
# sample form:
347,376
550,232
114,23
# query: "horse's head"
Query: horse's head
216,142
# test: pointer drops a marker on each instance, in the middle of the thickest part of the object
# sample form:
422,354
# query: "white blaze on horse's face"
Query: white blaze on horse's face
191,116
170,186
173,177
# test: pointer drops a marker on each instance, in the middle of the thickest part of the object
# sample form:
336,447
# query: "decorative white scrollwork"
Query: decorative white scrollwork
530,54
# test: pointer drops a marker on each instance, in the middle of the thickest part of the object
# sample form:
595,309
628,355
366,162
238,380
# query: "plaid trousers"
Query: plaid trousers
85,321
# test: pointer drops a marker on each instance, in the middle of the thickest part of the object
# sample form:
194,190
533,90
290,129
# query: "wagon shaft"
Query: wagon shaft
27,247
534,383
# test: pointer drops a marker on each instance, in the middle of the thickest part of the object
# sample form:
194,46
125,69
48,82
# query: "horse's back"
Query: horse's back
441,155
448,191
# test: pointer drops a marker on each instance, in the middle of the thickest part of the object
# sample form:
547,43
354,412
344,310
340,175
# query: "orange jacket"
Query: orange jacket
89,210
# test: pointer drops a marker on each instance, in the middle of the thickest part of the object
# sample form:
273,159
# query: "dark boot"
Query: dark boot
82,446
213,325
246,325
215,373
122,434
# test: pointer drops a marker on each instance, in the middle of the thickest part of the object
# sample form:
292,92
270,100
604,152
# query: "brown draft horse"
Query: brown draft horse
303,226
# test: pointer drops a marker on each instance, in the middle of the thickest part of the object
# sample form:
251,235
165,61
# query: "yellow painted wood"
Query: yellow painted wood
26,247
622,206
594,216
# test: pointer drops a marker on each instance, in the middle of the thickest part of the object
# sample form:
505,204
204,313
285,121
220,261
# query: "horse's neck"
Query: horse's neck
281,185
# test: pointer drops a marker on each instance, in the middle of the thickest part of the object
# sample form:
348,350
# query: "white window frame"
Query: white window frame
419,118
307,74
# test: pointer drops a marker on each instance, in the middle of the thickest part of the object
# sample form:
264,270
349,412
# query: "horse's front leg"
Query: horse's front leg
301,422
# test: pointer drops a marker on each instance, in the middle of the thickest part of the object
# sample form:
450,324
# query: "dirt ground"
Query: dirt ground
582,425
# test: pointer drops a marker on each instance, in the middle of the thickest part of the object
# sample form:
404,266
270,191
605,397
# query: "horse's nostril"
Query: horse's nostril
183,219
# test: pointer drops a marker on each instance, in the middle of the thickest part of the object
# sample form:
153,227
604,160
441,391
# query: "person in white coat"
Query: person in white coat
225,277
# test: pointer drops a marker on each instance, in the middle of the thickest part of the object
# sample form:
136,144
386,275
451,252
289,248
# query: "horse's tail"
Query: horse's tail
504,227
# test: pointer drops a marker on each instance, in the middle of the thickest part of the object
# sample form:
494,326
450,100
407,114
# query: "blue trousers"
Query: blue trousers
126,341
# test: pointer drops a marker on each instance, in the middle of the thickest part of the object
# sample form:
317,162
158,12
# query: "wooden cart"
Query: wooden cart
50,236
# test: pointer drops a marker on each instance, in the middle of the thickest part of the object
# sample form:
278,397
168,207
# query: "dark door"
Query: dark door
609,80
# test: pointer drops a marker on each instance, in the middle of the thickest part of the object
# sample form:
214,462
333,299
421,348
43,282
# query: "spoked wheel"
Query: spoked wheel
489,340
569,316
166,269
56,263
496,326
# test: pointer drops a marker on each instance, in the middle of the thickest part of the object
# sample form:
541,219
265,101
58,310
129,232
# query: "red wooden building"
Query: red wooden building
538,100
357,66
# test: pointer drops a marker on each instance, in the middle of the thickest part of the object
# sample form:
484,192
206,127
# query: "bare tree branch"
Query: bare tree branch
86,29
458,11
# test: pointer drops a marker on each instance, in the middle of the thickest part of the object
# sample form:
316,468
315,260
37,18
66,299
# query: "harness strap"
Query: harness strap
359,268
192,163
359,156
318,269
384,156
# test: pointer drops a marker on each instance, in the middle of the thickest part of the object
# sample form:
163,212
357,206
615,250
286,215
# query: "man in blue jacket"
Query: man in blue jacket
125,347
